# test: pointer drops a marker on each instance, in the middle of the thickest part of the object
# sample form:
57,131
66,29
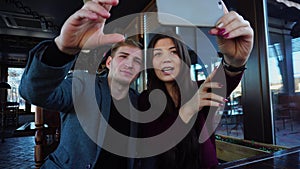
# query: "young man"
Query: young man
86,102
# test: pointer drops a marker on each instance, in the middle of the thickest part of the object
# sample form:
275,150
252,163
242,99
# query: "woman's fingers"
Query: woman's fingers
211,76
208,98
214,97
235,38
211,99
210,85
211,103
233,25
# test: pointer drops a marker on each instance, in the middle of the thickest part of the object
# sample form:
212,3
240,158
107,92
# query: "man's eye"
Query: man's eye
138,62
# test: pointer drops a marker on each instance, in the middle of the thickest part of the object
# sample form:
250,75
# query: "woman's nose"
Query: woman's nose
166,58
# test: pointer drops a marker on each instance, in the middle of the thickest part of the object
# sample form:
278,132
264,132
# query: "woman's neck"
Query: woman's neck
173,93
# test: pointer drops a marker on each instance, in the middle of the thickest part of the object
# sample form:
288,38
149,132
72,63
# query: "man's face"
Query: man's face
125,65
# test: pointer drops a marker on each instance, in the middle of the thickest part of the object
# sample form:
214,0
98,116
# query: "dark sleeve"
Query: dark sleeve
230,83
44,85
54,57
233,82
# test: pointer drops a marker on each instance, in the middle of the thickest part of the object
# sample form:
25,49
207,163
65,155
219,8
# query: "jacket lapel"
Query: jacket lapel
105,104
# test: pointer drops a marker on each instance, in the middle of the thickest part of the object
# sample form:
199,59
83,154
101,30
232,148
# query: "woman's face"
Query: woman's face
166,61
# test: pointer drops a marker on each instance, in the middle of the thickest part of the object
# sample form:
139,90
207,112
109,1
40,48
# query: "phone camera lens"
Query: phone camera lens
220,5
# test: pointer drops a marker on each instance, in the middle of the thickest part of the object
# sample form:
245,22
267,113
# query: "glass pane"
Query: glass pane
14,78
296,62
231,123
285,99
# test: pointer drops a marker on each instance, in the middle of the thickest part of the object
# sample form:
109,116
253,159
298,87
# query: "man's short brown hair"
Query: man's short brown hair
126,42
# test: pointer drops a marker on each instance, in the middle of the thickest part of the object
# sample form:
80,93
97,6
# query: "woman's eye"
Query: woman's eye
174,52
157,54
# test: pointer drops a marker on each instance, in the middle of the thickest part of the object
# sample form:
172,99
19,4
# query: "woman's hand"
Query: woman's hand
202,98
84,29
234,38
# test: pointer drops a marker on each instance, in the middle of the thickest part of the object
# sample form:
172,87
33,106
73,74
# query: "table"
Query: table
284,159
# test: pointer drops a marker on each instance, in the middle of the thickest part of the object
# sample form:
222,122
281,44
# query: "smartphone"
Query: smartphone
200,13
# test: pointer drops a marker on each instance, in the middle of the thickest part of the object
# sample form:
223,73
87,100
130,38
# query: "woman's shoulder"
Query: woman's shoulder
144,93
143,101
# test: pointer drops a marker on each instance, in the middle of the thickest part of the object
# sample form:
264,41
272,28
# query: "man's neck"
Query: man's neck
118,91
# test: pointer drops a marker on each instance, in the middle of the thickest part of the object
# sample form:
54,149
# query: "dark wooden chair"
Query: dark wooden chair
47,134
286,108
9,115
12,113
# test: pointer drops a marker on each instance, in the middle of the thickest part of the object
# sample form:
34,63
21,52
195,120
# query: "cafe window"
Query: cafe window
14,79
231,123
284,78
296,62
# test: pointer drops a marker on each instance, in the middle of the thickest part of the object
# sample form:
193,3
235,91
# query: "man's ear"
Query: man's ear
108,62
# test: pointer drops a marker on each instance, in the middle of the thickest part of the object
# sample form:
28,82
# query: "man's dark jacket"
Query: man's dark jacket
80,98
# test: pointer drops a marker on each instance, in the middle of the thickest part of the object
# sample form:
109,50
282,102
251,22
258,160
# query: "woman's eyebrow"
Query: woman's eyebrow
155,49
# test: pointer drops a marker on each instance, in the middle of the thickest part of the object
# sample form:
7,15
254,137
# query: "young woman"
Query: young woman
169,64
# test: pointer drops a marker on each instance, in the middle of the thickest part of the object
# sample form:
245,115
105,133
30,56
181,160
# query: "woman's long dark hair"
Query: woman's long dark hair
184,86
186,154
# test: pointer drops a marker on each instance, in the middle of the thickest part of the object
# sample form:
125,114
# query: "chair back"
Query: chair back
47,134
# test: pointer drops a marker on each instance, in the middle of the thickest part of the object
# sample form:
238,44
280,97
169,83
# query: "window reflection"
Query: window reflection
296,62
231,123
274,67
14,78
284,79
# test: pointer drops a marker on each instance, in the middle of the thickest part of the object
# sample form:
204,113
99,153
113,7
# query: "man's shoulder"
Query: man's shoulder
101,78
